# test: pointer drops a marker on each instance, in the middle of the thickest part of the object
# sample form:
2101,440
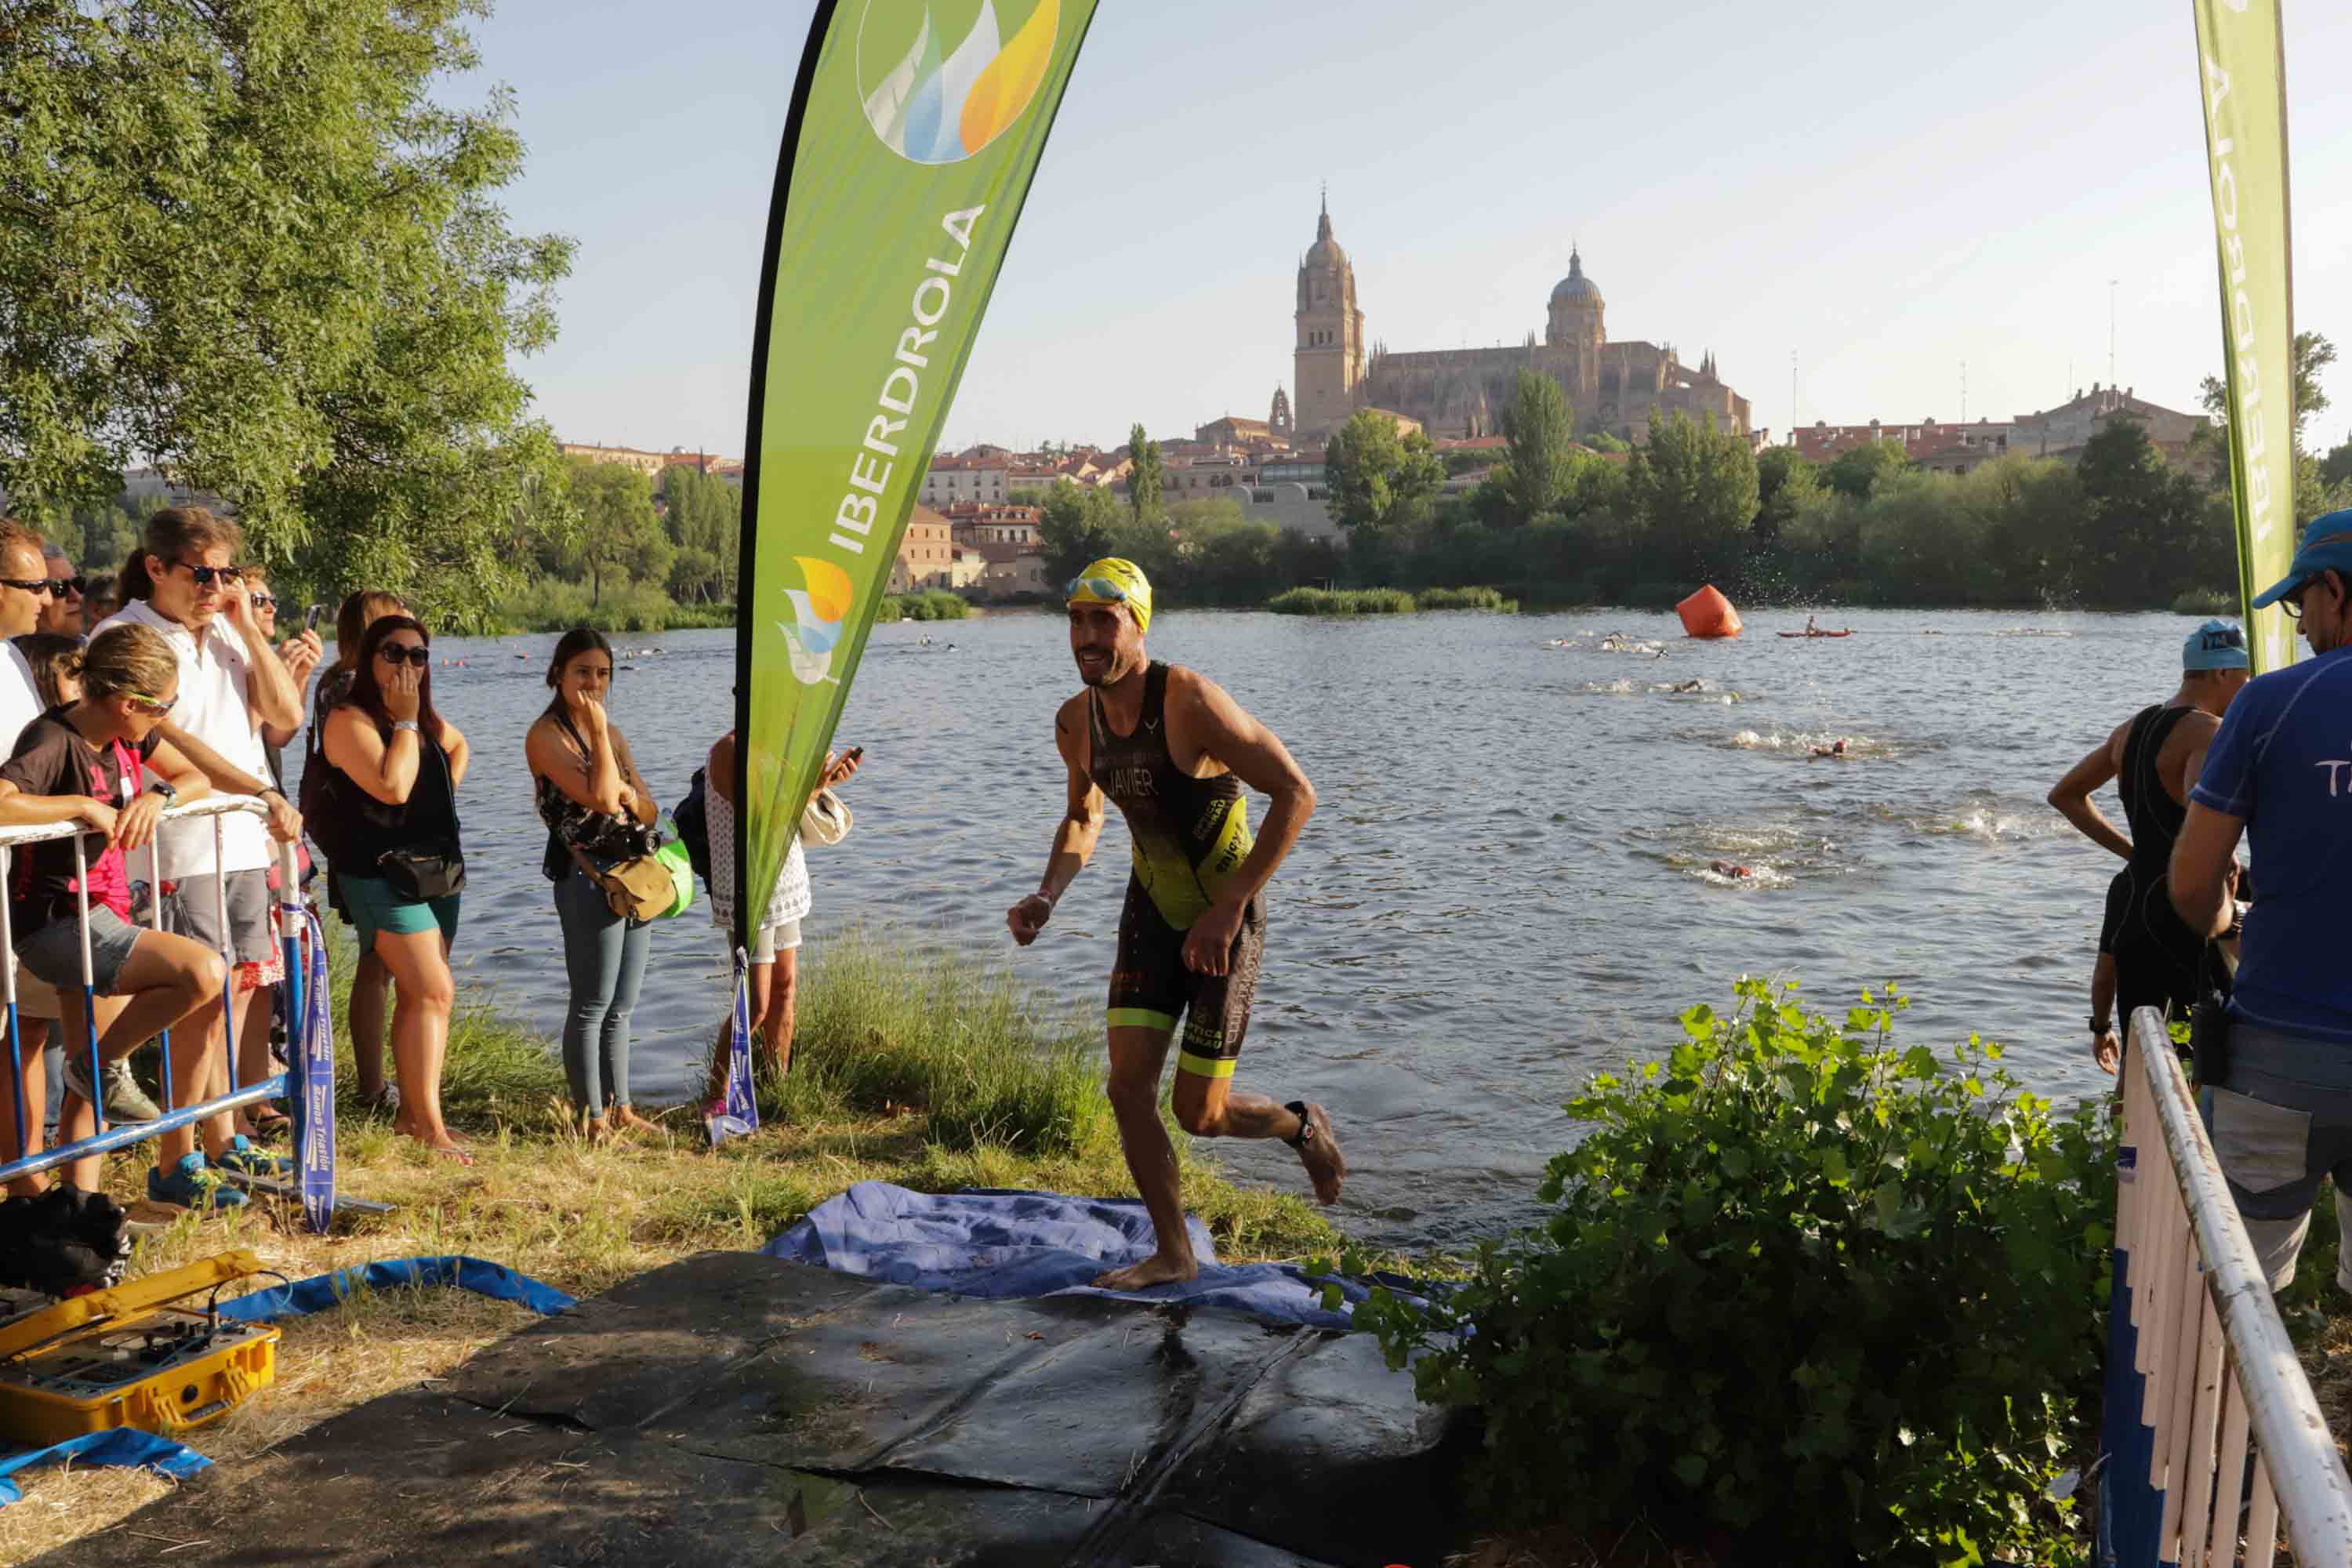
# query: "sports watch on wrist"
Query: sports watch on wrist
2101,1025
164,788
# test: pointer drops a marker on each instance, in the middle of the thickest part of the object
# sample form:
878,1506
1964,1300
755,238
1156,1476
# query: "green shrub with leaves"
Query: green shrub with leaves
1833,1297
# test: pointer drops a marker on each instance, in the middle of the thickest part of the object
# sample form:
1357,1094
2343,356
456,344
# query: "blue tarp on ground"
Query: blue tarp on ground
322,1291
995,1243
122,1446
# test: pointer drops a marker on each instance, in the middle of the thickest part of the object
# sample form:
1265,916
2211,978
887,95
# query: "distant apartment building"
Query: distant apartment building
2061,432
646,462
982,478
928,557
1013,571
976,523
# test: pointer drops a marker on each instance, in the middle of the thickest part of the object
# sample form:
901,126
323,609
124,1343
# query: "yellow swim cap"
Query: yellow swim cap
1114,580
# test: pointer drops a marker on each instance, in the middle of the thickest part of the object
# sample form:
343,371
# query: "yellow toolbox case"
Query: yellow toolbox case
124,1358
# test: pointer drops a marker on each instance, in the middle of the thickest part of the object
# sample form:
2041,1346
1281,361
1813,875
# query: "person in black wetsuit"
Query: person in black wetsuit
1173,750
2157,961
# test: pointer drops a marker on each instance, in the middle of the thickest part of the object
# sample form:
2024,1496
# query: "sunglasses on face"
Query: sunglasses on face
69,587
158,706
413,653
206,576
266,601
28,585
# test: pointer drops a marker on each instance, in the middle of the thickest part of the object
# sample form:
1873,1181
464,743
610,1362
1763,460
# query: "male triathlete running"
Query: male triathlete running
2159,962
1173,750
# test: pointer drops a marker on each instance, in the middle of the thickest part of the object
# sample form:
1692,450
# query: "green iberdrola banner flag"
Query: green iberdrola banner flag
914,132
2241,74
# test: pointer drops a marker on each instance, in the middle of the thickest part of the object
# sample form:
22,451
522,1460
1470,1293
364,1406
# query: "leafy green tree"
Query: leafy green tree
704,517
1377,475
2140,516
1696,487
1785,480
617,535
2314,352
1540,430
1079,525
1856,471
1604,441
1143,484
2336,469
243,242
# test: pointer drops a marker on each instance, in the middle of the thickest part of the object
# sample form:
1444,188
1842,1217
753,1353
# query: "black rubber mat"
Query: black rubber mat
733,1409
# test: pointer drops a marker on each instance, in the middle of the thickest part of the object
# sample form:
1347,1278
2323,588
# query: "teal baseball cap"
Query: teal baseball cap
2326,547
2217,645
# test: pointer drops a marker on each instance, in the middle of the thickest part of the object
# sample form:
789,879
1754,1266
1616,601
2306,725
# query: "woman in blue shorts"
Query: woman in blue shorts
393,766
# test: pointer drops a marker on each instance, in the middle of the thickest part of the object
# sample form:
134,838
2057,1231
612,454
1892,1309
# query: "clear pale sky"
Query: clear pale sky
1886,190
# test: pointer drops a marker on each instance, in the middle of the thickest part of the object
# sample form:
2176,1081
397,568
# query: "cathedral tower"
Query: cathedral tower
1576,323
1330,358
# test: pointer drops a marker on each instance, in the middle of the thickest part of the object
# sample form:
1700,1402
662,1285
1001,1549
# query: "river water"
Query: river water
1505,886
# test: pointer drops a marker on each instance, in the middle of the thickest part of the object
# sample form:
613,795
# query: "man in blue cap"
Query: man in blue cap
2148,958
2280,772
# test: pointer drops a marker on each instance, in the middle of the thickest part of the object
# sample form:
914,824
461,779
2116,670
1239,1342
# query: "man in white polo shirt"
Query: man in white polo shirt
24,594
185,585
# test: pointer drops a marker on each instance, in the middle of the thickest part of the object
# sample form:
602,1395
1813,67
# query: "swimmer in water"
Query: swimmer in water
1836,749
1727,869
1693,684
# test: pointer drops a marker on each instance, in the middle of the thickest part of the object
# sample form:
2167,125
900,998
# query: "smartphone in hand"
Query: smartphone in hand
311,617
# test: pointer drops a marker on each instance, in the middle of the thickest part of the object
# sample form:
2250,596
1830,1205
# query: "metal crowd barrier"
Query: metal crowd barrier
105,1140
2212,1359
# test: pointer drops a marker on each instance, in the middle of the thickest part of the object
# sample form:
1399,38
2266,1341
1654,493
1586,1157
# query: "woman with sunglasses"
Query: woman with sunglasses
393,767
370,997
104,762
598,812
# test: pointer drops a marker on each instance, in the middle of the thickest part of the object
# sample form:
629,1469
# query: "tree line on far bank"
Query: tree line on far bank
1554,521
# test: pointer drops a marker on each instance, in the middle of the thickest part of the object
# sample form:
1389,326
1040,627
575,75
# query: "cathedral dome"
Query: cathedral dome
1576,285
1324,254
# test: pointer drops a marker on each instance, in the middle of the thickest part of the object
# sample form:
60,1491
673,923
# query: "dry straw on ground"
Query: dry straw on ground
917,1072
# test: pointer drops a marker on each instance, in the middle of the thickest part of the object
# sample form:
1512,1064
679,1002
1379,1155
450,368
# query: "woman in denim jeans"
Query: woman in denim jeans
596,808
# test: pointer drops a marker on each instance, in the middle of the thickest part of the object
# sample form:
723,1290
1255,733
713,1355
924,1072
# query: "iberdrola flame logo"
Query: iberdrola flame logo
941,105
818,611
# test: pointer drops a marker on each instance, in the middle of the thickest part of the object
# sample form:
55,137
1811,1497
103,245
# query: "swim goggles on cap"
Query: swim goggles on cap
1101,588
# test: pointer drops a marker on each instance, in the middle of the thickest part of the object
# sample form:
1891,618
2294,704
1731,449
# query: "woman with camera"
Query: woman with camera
388,806
599,813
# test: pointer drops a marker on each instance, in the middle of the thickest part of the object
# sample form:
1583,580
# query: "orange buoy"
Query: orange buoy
1708,614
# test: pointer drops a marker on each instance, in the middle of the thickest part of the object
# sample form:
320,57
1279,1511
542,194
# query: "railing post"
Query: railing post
155,923
15,1041
89,988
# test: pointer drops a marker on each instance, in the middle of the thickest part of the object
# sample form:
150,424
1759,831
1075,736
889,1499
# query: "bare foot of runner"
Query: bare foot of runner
1319,1153
628,1121
1159,1268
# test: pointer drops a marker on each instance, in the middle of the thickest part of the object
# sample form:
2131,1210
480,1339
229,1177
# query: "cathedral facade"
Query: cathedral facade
1619,387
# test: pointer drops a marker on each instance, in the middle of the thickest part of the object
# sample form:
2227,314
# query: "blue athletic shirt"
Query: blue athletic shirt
2283,763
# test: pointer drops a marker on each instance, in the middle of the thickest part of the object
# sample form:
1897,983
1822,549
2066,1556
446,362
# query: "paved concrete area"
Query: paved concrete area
733,1409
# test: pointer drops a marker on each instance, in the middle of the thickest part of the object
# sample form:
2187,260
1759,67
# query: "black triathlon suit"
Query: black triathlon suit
2159,961
1190,835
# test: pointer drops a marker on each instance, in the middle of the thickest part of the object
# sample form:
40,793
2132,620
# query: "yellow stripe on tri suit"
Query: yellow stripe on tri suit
1205,1067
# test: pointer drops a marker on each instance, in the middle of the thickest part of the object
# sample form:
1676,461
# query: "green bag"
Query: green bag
673,855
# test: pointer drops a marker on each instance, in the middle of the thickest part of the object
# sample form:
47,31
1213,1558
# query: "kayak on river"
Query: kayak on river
1847,632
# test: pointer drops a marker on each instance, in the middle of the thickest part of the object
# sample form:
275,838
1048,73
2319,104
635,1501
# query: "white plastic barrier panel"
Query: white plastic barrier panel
2227,1441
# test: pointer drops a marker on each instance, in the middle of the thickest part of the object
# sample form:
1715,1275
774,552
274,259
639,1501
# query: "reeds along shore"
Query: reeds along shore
1386,601
923,1070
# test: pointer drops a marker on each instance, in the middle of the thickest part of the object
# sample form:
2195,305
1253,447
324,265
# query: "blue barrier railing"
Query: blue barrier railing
105,1140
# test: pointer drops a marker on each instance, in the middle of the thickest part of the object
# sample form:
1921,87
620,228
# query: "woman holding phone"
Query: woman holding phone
775,953
393,766
598,812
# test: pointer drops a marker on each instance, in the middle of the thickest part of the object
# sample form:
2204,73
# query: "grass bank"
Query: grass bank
1386,601
551,606
924,1072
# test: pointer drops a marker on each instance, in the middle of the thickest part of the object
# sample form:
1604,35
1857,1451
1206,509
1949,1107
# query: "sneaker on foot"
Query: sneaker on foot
242,1156
192,1185
125,1101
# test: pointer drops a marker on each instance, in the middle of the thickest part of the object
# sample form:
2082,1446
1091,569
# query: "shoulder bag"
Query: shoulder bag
421,874
655,887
